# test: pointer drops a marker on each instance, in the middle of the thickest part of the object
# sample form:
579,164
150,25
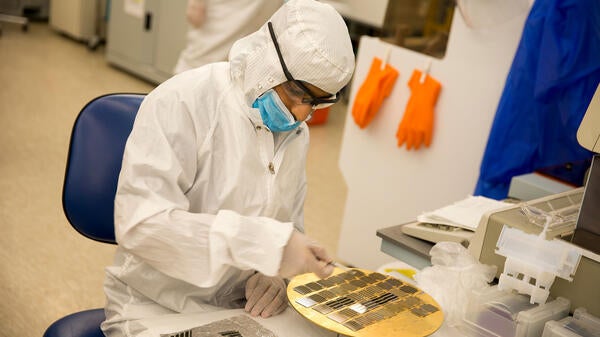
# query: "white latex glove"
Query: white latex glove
266,295
301,255
195,12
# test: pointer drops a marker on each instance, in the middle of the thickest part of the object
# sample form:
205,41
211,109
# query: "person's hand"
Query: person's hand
300,255
266,296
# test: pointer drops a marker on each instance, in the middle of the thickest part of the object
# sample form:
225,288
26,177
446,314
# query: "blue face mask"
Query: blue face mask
274,113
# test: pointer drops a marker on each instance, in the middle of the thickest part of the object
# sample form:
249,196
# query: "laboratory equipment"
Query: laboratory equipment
567,204
236,326
358,302
492,312
146,37
534,185
11,12
588,134
578,208
533,263
437,233
82,20
581,324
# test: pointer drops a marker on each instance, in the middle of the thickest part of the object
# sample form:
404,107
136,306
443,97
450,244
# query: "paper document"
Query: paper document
464,214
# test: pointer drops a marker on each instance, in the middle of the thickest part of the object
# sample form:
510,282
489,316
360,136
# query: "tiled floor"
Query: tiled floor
47,270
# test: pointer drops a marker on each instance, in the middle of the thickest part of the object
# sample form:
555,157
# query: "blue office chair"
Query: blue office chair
93,164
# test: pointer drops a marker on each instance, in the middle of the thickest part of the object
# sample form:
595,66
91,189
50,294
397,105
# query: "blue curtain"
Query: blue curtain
552,79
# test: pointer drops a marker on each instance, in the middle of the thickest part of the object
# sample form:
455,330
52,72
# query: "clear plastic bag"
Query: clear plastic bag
548,220
451,278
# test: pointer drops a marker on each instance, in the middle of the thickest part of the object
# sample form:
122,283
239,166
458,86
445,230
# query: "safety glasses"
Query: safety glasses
314,101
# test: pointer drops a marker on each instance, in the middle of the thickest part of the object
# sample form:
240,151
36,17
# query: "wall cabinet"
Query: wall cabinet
146,37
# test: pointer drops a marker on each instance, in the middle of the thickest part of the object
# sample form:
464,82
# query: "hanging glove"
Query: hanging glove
266,296
377,86
301,255
416,127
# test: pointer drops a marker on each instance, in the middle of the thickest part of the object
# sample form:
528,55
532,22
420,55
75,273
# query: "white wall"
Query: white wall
371,12
388,185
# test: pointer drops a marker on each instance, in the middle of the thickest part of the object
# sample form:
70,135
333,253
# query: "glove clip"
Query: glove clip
426,69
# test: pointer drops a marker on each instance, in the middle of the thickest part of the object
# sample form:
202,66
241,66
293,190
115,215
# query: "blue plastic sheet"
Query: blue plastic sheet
552,79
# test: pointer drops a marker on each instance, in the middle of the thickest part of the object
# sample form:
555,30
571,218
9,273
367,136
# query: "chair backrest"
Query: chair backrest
94,161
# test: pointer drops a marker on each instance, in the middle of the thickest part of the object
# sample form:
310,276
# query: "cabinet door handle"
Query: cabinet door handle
148,21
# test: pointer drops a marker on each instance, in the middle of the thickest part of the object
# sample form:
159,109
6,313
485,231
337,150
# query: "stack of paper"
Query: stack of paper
464,214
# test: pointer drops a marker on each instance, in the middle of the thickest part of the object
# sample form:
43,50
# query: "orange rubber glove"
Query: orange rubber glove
416,127
377,86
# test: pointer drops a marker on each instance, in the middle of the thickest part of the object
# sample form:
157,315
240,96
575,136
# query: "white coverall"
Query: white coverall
207,195
221,23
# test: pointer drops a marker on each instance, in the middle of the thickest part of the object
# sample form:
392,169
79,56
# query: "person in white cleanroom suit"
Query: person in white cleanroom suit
214,25
209,204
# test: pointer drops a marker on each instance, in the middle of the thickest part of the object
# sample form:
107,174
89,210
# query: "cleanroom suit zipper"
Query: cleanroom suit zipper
272,157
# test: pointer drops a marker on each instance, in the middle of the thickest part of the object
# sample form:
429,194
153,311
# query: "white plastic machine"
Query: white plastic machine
579,226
